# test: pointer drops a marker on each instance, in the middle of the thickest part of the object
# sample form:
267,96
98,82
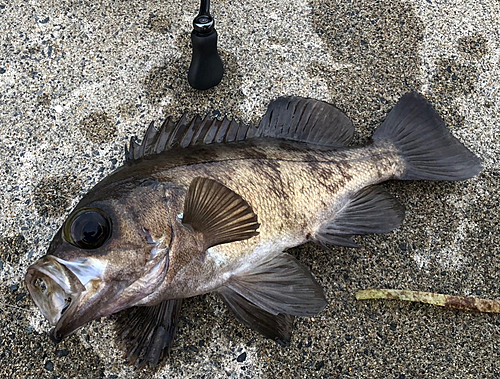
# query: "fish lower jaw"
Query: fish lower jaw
54,289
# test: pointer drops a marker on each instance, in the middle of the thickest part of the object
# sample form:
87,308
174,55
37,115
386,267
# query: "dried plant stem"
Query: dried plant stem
457,302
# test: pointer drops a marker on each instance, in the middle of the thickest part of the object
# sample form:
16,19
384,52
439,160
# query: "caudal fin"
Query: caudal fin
428,148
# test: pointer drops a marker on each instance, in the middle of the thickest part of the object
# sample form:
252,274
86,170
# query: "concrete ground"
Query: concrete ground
78,78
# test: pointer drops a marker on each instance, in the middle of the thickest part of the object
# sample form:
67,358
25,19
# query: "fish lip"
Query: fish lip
64,284
54,337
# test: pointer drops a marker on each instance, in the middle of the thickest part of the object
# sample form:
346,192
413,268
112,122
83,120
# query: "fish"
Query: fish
206,205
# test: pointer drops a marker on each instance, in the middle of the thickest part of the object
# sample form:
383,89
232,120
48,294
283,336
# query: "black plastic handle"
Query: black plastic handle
206,67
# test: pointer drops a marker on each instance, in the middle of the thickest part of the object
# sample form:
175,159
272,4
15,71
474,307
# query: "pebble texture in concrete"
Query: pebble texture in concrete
78,78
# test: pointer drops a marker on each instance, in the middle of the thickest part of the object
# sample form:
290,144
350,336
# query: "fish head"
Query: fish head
111,252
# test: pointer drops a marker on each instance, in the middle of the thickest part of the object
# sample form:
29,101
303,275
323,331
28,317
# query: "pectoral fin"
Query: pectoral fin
280,285
144,333
276,327
218,213
371,210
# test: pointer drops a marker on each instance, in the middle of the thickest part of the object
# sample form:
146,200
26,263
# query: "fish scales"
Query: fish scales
211,206
295,195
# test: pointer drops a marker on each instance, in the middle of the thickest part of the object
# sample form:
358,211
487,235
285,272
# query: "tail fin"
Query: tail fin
428,148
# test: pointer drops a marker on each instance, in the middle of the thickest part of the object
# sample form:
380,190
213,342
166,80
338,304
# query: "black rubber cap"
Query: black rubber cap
206,67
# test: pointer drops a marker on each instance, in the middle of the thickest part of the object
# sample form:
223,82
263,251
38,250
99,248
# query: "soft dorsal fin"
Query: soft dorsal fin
218,213
305,120
293,118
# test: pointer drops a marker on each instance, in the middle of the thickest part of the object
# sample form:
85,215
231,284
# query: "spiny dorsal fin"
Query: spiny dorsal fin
294,118
185,133
218,213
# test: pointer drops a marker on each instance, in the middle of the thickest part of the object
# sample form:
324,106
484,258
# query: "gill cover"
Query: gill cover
214,215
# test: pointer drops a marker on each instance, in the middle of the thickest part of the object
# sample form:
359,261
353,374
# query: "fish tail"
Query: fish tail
429,150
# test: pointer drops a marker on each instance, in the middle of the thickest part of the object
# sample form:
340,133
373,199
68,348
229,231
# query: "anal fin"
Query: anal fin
146,333
371,210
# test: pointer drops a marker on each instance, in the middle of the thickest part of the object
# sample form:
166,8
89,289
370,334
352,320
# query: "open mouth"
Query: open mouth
55,289
61,289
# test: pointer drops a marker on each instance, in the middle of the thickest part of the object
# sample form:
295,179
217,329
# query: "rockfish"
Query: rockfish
207,205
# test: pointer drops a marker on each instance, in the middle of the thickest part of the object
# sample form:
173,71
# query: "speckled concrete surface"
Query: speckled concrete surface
78,78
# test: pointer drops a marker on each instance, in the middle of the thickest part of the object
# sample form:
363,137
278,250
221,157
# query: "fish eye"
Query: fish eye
89,228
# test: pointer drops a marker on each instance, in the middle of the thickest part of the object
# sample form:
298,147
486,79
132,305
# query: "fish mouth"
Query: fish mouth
57,288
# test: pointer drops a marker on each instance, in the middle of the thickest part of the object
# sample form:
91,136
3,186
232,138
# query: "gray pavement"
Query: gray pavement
78,78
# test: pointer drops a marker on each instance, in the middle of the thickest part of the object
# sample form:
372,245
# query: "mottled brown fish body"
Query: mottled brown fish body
212,205
293,196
